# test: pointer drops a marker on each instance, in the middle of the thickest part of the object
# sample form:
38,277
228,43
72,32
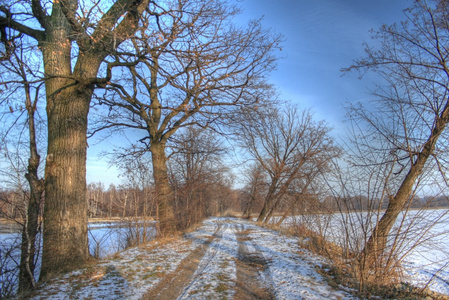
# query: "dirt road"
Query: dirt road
206,271
236,259
225,258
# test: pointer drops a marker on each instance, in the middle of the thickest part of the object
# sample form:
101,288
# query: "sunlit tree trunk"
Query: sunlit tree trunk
68,92
166,216
65,213
268,201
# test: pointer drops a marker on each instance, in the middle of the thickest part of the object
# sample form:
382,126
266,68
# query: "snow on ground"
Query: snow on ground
291,269
127,275
216,272
428,265
290,273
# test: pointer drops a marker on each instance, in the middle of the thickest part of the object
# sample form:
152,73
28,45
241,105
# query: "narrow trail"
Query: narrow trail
216,271
191,278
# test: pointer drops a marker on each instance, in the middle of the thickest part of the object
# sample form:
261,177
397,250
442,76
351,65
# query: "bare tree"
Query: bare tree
74,38
24,81
408,127
193,66
36,184
285,143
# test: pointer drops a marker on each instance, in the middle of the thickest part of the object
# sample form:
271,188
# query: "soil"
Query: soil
250,266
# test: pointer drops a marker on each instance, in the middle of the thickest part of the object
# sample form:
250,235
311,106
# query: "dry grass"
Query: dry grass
230,213
346,269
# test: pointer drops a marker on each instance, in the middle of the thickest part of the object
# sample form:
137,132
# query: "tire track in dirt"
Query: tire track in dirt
173,284
250,267
215,277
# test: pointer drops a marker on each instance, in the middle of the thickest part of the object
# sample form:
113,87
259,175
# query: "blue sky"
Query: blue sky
321,37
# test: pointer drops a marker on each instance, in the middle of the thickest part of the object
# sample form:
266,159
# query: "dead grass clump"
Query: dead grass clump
317,243
343,273
289,230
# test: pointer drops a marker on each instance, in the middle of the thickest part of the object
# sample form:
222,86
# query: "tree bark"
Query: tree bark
166,216
65,213
68,93
377,242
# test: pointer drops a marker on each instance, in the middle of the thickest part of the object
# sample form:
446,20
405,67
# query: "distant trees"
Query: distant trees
200,179
122,201
408,128
291,149
191,66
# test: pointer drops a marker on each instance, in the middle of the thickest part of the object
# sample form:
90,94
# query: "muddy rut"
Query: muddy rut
250,268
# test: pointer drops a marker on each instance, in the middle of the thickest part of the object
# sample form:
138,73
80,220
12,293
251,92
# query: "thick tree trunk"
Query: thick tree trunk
65,213
68,96
166,216
377,242
68,93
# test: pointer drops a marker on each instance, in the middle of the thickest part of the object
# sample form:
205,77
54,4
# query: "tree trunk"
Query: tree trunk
29,234
268,200
264,210
65,213
277,200
289,210
252,199
166,214
68,93
31,227
377,242
294,202
249,206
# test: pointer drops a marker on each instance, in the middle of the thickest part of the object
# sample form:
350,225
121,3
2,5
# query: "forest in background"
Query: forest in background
210,200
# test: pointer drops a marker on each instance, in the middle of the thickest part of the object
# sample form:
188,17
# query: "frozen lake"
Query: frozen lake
105,239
